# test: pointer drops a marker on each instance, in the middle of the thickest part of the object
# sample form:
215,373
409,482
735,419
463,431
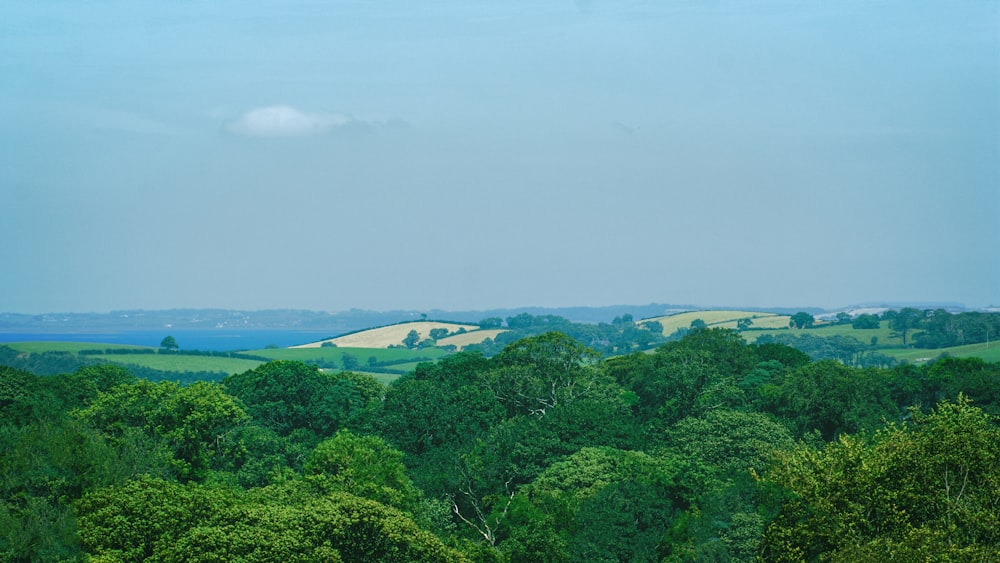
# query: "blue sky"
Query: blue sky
472,155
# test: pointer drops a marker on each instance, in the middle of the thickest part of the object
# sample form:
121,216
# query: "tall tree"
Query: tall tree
905,320
802,320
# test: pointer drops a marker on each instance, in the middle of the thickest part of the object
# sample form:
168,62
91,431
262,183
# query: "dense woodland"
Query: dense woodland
704,449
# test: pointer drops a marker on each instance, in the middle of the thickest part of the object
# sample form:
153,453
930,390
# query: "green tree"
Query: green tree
349,361
802,320
655,327
865,322
169,343
412,339
744,324
906,320
491,322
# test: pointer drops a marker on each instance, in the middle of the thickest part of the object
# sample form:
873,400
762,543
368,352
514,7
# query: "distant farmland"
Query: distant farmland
721,319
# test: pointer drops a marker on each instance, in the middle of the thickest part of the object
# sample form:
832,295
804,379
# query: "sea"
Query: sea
218,340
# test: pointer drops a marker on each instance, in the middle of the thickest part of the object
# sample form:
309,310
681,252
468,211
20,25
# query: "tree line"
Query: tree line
706,448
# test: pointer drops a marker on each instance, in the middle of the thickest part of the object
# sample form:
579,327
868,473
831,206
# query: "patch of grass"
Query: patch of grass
383,378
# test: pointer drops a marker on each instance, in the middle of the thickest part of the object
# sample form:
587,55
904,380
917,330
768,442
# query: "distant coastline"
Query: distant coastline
217,340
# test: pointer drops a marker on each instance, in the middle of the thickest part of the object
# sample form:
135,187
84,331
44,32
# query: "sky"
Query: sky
401,154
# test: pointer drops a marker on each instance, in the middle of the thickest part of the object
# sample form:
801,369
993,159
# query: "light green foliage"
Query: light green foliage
195,422
726,443
365,466
929,487
155,520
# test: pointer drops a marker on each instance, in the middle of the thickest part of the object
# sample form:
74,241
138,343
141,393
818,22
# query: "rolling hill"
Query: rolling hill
393,335
720,319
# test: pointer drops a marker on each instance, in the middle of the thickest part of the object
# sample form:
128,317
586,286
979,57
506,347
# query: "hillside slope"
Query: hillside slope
392,335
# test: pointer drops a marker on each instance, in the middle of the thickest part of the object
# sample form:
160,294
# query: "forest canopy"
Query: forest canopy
706,448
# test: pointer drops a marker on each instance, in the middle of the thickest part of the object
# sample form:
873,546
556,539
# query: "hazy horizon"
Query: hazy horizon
294,154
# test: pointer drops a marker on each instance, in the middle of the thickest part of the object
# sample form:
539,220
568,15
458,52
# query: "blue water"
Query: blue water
214,340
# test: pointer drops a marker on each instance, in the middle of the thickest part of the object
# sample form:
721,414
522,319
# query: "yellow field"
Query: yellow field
720,319
474,337
386,336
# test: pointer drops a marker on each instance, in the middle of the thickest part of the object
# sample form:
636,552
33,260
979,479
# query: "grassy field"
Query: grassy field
71,347
182,363
334,354
885,336
396,359
920,355
719,319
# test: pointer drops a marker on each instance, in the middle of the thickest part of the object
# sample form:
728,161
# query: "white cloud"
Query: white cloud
285,121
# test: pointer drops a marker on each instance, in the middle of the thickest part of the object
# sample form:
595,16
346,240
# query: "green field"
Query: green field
182,363
395,359
889,343
71,347
921,355
886,337
333,354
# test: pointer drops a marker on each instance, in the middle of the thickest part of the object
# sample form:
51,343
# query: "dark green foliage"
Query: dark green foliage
801,320
844,349
945,378
942,329
491,322
621,336
782,353
286,396
904,321
44,363
600,504
865,322
831,398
